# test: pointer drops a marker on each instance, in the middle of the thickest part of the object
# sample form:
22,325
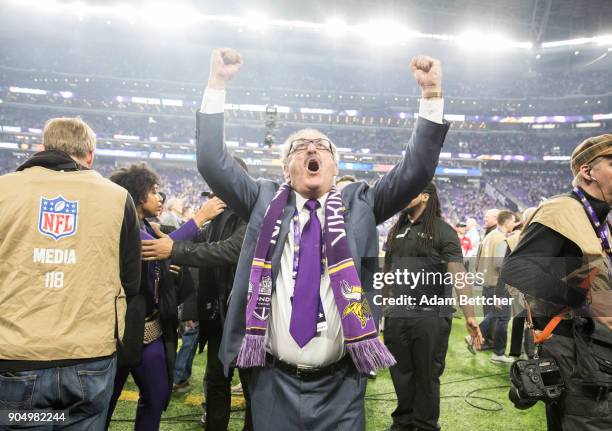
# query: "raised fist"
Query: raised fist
224,65
427,73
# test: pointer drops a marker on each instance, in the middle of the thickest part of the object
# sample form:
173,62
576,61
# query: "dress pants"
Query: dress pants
217,386
280,401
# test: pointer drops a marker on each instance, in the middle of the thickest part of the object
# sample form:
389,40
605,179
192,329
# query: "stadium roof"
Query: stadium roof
516,23
533,21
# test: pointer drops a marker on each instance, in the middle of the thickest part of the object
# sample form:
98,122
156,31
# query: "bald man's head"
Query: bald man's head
490,218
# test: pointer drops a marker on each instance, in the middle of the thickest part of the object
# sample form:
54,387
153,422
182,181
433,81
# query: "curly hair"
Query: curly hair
137,179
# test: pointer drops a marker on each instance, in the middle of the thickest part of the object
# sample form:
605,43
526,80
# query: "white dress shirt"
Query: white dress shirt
327,346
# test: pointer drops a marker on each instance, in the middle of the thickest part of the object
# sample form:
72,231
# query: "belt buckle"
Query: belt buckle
304,372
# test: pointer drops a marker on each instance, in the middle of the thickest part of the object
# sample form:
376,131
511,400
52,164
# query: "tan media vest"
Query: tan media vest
60,298
567,216
486,253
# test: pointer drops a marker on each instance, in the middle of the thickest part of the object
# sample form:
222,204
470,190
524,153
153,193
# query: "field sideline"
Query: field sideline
464,373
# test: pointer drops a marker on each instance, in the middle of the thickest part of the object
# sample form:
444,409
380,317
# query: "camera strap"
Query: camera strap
540,337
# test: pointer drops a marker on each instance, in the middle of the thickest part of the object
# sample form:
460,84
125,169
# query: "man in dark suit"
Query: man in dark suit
312,384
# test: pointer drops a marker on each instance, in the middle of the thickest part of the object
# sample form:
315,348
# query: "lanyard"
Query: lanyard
601,229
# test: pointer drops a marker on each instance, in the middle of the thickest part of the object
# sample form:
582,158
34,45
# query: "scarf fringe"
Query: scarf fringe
369,355
252,352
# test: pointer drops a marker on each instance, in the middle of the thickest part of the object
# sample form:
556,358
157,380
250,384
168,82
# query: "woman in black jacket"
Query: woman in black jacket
150,341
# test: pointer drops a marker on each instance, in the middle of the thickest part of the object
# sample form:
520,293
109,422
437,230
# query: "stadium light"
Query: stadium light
168,15
296,25
474,40
599,40
336,27
40,5
23,90
384,32
257,21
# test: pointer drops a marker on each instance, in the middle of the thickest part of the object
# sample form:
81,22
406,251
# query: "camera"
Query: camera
534,380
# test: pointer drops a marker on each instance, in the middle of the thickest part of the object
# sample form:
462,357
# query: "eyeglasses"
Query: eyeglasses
301,144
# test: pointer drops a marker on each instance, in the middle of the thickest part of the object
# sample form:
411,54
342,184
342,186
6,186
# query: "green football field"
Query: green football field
474,397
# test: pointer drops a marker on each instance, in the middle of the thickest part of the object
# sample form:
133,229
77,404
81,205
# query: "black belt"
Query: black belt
307,373
420,309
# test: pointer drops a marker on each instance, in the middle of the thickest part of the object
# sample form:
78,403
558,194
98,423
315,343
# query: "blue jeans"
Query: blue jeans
495,323
184,357
84,390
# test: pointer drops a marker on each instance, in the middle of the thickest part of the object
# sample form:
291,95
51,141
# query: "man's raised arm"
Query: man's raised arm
410,176
224,176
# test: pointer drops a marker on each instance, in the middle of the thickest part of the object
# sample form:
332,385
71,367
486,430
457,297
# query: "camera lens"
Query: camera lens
520,403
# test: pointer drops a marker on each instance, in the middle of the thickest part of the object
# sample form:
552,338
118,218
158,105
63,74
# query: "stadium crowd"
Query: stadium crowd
377,139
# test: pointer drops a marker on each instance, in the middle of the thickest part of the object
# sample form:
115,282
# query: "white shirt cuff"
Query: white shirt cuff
213,101
432,110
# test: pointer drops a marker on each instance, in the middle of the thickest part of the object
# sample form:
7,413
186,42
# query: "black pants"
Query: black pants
217,387
419,345
577,409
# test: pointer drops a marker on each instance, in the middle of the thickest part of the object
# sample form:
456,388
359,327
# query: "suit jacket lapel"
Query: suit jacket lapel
282,236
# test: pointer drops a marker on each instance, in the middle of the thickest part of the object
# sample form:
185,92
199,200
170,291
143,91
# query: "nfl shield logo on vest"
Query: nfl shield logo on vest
58,217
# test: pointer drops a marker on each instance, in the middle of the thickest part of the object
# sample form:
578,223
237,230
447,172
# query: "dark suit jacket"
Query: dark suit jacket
216,257
366,206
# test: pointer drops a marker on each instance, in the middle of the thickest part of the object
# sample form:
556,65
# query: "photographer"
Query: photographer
562,265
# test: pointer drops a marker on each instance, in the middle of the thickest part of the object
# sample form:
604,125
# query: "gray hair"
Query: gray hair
287,144
70,135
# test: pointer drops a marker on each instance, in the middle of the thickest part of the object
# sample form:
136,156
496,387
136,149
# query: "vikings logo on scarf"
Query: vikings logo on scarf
58,217
359,307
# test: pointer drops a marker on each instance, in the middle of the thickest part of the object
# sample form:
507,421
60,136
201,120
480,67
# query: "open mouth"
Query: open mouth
313,166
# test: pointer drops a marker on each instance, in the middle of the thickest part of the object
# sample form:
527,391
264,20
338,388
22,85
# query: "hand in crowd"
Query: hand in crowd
211,209
224,65
157,249
474,331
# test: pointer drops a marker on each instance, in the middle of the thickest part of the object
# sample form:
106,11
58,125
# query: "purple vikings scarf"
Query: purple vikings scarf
360,334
